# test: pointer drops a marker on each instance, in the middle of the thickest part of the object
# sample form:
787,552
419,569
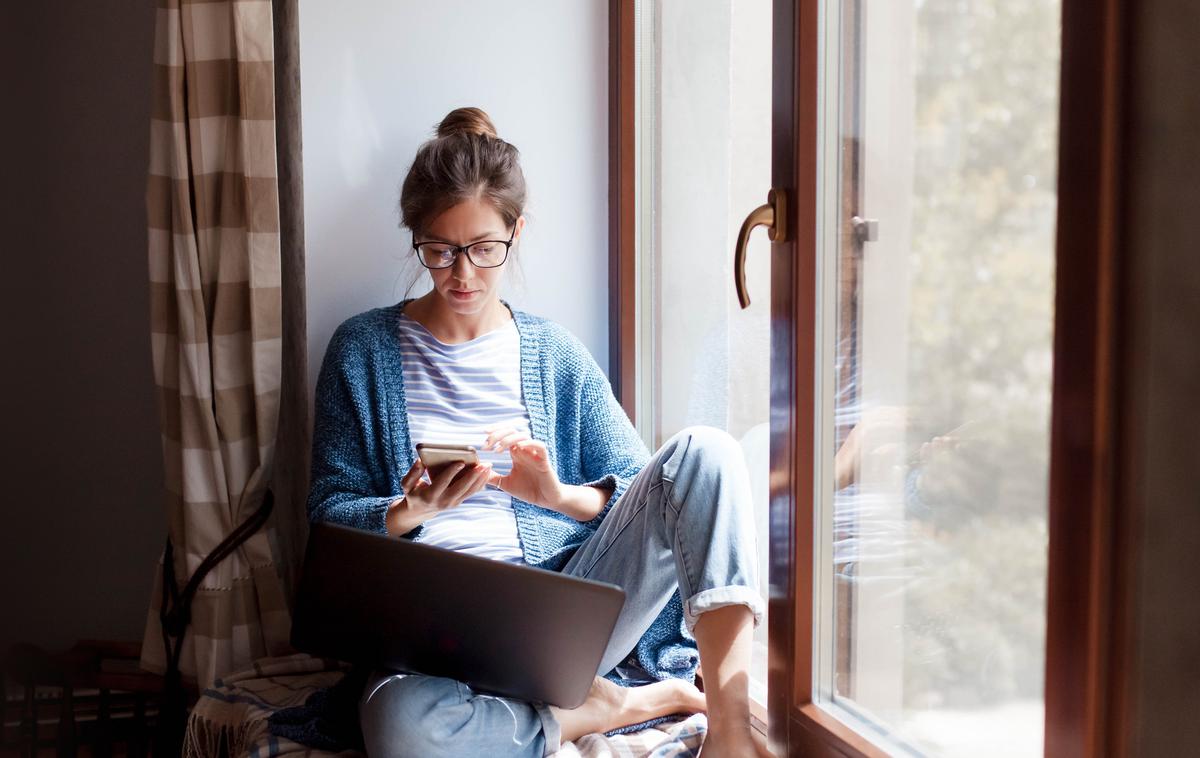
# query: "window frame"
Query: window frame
1091,549
622,204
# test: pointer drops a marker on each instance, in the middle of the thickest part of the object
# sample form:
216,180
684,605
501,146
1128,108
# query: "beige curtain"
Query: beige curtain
216,324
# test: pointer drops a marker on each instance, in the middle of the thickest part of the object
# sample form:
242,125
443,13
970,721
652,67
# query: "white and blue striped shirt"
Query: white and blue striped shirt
455,395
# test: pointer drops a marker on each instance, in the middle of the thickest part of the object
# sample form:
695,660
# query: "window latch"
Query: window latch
772,215
865,229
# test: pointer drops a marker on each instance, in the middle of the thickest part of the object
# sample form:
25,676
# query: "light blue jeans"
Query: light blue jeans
686,520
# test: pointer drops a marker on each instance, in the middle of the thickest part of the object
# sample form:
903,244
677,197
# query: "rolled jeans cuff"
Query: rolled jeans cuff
719,597
551,729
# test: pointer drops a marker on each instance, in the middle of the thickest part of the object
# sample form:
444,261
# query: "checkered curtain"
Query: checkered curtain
214,250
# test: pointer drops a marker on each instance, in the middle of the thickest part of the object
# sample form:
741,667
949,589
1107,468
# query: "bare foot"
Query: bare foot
609,706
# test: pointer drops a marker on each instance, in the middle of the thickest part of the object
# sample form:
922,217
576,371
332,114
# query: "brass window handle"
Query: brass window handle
772,215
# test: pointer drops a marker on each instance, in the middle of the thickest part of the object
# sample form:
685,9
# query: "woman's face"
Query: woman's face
463,287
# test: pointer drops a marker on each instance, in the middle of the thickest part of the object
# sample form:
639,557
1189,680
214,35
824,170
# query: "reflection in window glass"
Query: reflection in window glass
939,242
704,116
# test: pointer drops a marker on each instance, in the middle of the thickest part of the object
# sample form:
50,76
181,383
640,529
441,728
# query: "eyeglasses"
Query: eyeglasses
483,254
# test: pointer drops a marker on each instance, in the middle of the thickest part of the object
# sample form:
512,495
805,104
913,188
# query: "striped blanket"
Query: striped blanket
261,711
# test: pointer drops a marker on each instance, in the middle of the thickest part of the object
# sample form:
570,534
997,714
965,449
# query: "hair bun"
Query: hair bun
467,121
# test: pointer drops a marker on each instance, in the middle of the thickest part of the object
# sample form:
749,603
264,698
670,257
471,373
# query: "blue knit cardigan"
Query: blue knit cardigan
362,448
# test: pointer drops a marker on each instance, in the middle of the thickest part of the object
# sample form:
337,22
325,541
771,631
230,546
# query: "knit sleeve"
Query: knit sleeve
613,453
348,484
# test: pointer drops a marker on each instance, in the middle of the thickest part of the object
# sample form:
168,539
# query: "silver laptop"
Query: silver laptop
501,628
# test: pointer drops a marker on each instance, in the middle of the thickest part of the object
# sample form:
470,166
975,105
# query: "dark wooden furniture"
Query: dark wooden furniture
93,696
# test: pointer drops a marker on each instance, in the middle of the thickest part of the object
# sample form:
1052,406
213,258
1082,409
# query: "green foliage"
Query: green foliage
981,317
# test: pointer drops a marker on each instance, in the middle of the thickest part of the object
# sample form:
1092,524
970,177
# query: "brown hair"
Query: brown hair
466,160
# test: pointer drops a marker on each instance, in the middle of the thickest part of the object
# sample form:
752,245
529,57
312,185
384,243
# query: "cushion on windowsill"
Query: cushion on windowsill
299,704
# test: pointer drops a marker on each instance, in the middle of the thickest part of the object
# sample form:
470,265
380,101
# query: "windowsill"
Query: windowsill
758,683
758,717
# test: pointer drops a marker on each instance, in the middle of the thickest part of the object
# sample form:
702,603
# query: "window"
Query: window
936,266
703,134
921,587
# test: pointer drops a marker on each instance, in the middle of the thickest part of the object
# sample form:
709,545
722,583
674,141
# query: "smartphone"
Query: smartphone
437,457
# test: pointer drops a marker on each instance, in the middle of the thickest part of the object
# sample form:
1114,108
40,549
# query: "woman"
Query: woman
565,483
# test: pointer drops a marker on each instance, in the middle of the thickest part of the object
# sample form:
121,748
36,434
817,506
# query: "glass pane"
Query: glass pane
704,114
938,282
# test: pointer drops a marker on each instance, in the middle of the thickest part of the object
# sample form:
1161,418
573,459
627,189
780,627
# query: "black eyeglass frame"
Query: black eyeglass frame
460,249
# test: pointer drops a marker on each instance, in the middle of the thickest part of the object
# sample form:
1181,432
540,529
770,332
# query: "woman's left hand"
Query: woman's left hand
532,478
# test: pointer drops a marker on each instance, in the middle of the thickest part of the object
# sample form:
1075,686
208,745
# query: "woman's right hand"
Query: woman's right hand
425,499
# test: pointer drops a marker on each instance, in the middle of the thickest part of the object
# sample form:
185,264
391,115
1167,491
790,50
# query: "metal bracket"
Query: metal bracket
865,229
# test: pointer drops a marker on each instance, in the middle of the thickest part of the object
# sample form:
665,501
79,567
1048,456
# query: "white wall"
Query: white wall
377,75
